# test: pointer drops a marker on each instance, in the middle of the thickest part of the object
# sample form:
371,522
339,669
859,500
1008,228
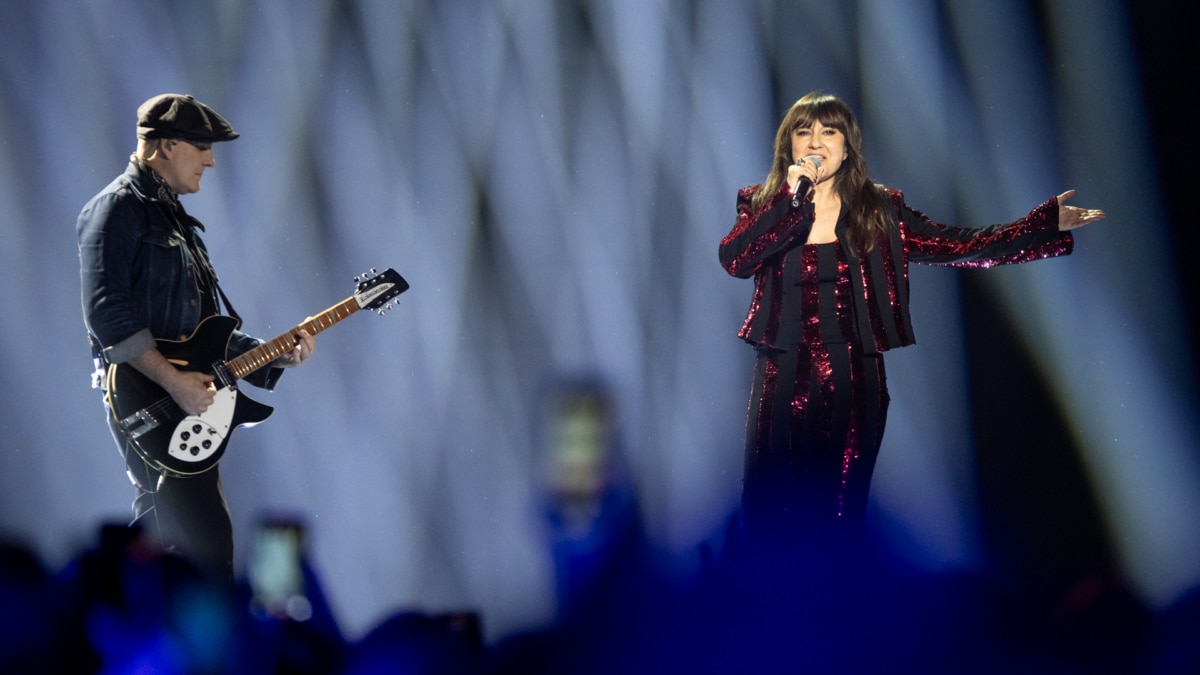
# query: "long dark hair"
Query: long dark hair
866,200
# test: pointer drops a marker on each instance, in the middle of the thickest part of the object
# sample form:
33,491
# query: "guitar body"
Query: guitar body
179,444
157,428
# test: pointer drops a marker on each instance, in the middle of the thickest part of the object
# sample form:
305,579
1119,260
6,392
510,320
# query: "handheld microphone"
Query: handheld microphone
803,185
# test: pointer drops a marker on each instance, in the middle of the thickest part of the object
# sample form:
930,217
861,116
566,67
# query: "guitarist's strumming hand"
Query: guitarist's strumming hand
193,391
305,346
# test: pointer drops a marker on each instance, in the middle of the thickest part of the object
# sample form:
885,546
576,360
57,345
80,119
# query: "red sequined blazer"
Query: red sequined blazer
766,244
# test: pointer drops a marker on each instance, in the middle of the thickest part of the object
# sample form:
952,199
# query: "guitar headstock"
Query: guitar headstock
375,290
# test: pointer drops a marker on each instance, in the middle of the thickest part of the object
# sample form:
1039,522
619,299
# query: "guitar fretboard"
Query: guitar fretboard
267,352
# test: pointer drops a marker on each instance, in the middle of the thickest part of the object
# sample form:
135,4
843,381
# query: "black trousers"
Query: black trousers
186,516
813,432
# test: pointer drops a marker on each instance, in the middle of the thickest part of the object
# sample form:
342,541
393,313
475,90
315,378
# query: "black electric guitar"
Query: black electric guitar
179,444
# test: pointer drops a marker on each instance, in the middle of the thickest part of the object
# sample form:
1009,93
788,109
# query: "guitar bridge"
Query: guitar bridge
139,424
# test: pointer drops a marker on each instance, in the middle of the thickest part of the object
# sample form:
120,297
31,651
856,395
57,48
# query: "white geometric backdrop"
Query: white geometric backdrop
553,178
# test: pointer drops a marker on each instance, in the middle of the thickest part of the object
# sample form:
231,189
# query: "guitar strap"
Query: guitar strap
228,307
206,273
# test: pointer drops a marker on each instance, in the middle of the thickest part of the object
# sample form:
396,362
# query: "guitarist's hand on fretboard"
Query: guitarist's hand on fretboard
305,346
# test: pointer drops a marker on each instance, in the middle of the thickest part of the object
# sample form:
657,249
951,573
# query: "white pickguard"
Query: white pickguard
197,437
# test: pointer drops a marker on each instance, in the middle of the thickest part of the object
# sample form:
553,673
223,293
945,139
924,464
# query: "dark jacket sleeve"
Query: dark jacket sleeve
110,231
759,236
240,343
1033,237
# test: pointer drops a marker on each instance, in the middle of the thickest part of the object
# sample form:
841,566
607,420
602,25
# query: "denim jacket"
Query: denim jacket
140,280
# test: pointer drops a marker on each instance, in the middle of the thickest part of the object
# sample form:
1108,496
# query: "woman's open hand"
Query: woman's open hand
1071,217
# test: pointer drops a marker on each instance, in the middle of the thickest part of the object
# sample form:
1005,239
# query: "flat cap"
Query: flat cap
182,116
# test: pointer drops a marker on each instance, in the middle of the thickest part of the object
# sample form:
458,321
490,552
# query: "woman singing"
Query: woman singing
829,253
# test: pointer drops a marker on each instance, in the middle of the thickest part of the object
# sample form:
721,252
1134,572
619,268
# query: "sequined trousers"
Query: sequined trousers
816,416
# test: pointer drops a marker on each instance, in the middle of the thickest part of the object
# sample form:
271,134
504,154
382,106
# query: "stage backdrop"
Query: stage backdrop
554,178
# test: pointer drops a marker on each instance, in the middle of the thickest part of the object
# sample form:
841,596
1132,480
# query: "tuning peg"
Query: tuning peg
373,272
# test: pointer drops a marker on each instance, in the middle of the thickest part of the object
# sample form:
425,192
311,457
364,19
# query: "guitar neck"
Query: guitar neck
267,352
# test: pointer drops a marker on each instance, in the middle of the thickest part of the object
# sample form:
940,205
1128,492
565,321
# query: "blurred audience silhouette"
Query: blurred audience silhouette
121,606
819,605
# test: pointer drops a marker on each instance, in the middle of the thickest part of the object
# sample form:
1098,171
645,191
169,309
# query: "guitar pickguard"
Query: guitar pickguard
197,437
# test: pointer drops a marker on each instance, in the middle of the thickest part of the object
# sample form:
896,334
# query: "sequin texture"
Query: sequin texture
820,318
